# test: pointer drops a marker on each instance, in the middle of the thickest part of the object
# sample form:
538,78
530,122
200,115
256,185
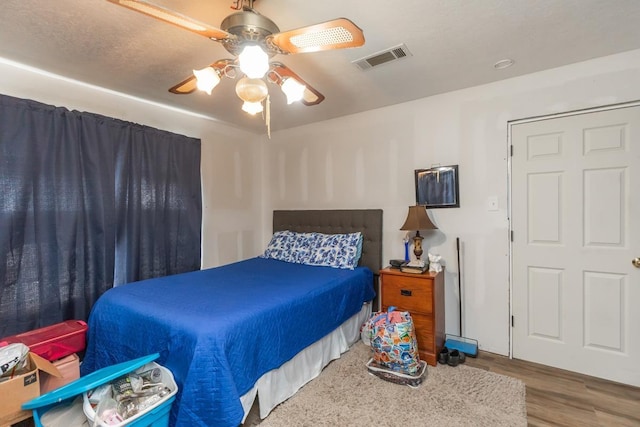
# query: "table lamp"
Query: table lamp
417,219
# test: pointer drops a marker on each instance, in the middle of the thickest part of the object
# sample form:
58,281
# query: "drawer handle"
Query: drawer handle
405,292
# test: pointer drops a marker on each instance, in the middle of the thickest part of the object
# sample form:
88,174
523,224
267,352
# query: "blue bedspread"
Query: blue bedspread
218,330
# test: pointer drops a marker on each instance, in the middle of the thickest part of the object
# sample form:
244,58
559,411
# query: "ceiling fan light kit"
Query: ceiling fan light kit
251,90
252,108
207,79
293,89
254,62
253,39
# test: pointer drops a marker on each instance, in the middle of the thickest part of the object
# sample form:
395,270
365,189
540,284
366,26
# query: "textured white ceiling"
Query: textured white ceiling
454,45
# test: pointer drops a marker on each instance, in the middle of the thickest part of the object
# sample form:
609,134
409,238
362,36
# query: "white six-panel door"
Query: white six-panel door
575,209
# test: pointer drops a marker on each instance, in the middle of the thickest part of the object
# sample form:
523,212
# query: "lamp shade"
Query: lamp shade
206,79
293,89
252,107
418,219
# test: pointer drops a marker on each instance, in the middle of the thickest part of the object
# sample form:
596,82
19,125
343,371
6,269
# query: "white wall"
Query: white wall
230,165
367,161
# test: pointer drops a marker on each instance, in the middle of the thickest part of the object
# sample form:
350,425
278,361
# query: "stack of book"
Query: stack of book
415,268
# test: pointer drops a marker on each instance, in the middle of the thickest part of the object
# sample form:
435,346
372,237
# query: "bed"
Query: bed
256,328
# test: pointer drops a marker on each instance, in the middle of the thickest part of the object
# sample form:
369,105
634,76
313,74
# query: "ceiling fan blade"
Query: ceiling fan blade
185,87
337,34
280,71
174,18
189,85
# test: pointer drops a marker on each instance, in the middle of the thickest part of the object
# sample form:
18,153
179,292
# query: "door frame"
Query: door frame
510,125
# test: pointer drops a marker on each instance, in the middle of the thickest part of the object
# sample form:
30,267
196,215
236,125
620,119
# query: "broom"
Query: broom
453,342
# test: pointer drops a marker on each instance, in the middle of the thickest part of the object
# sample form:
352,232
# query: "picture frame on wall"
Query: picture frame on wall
437,187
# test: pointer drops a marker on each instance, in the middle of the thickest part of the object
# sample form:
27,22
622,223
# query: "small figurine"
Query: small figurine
434,263
406,247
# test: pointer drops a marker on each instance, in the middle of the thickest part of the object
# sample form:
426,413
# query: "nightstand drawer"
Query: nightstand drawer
408,294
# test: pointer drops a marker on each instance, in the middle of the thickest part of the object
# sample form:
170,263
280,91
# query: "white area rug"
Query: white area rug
345,394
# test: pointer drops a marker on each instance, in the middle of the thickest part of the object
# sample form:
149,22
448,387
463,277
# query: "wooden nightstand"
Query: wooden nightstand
422,295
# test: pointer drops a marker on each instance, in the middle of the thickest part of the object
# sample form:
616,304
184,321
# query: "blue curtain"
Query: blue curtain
158,203
79,192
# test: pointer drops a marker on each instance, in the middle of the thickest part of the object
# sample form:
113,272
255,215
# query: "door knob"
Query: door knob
636,262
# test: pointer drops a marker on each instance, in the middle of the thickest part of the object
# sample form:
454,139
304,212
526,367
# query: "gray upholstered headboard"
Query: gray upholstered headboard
366,221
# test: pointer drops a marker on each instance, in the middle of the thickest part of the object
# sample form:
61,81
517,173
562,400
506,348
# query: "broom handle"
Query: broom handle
459,287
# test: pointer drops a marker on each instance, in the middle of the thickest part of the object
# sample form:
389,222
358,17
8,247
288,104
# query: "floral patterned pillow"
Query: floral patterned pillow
335,250
301,246
279,247
330,250
288,246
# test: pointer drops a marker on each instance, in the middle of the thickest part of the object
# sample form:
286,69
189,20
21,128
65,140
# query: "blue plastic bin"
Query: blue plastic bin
155,416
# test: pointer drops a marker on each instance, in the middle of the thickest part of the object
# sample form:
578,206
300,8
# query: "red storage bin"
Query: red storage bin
55,341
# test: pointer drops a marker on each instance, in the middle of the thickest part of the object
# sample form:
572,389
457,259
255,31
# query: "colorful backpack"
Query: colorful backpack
393,341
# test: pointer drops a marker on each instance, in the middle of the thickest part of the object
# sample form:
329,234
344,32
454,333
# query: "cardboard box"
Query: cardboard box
69,369
22,388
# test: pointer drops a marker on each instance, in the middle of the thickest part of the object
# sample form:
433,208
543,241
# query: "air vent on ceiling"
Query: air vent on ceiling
392,54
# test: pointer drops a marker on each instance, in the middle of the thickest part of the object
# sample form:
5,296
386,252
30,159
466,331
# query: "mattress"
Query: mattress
220,330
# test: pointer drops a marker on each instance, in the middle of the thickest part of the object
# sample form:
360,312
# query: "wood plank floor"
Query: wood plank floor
560,398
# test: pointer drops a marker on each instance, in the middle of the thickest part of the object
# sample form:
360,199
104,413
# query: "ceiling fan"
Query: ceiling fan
254,39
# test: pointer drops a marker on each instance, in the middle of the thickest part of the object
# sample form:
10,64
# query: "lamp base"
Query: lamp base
417,245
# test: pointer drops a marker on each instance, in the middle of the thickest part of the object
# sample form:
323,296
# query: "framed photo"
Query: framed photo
437,187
